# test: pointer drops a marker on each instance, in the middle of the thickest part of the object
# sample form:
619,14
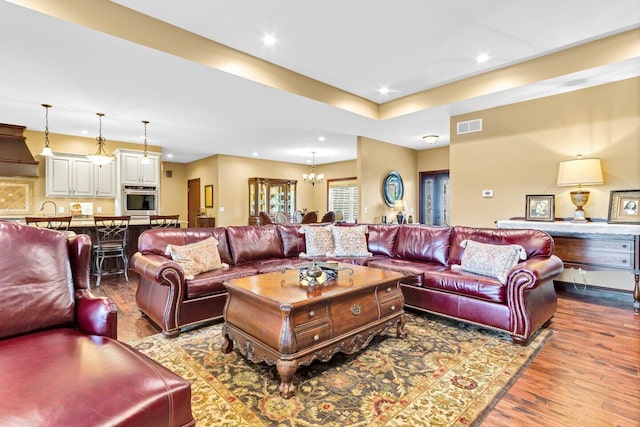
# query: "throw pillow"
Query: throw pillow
350,241
490,260
318,240
198,257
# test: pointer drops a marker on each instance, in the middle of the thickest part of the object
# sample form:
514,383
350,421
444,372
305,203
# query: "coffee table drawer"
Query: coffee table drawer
390,291
314,335
310,314
353,311
390,306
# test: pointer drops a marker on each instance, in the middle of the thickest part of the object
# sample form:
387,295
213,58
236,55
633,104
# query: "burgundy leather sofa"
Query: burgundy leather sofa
423,254
60,361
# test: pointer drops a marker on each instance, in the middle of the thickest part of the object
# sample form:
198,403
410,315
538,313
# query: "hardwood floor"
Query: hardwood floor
588,373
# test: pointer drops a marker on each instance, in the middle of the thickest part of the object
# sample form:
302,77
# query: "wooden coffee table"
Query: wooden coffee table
272,319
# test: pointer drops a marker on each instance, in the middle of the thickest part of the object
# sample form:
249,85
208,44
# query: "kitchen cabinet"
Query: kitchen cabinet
271,196
74,175
134,172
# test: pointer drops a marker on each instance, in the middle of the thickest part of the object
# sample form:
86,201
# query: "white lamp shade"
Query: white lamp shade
580,172
400,205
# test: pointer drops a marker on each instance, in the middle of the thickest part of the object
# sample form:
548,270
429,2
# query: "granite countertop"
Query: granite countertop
81,221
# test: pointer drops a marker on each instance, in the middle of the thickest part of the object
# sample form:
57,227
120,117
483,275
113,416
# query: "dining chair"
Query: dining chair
297,217
309,218
339,216
59,223
111,244
164,221
264,218
329,217
281,218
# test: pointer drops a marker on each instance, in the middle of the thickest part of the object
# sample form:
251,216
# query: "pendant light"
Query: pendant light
100,157
145,157
46,150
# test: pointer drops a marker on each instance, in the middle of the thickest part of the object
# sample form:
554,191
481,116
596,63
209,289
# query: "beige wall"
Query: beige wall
173,191
375,160
319,201
434,159
519,149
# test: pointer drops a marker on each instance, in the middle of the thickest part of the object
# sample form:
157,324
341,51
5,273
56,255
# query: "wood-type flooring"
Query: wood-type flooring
588,373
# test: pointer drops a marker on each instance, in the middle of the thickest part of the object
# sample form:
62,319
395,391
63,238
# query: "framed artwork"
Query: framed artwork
540,207
208,196
624,207
392,188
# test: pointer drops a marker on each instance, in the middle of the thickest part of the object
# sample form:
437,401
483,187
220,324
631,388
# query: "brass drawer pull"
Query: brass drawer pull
388,290
316,337
355,309
393,307
312,313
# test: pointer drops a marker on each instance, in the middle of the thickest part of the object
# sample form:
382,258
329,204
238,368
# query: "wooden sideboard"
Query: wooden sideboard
593,246
206,221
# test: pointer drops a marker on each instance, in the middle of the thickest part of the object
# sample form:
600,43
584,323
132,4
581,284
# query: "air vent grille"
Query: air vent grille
470,126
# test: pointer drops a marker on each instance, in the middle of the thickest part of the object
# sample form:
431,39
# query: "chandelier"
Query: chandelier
46,150
100,157
145,157
312,177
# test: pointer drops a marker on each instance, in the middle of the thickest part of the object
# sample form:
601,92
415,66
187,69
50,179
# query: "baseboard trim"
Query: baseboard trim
618,295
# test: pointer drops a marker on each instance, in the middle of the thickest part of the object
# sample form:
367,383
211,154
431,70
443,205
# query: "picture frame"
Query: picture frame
624,207
208,196
392,188
540,207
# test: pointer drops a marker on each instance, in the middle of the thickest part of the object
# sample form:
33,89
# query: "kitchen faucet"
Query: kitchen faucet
55,207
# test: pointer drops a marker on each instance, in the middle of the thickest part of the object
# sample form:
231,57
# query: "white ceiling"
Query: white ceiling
357,46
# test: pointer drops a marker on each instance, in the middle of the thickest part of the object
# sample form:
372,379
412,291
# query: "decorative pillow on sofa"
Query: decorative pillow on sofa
350,241
318,240
198,257
490,260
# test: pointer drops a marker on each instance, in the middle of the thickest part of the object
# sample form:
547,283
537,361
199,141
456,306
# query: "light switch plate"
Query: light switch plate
487,193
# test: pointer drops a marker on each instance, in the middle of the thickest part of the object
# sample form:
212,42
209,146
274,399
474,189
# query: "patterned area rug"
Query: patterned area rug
444,373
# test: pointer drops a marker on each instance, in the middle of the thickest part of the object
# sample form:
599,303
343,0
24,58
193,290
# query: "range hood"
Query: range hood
15,157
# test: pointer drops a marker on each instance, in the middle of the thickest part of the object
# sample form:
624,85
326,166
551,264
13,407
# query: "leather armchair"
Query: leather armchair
60,361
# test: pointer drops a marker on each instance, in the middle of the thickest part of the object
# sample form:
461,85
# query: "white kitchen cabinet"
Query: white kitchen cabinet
134,172
71,175
106,180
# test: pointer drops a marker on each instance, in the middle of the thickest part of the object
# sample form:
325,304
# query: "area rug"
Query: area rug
444,373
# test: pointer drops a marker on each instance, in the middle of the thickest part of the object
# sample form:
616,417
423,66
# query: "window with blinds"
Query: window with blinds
343,196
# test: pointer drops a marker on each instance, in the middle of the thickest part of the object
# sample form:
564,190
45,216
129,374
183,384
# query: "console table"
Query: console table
593,246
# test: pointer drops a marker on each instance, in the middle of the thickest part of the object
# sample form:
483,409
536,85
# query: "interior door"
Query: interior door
193,201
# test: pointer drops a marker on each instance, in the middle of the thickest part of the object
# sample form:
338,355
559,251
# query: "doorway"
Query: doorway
435,199
193,201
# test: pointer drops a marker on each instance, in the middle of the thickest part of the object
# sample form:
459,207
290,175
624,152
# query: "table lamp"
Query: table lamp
400,206
580,172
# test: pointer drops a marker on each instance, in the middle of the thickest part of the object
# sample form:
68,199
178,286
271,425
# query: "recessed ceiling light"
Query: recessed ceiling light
321,138
482,58
383,90
169,155
269,40
84,132
254,154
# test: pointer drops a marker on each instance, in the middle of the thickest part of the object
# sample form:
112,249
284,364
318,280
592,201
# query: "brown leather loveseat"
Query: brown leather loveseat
60,362
429,257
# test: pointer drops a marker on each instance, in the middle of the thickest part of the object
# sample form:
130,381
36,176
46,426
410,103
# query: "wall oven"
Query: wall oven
139,200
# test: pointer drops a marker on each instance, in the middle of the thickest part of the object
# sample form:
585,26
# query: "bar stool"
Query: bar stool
59,223
164,221
111,233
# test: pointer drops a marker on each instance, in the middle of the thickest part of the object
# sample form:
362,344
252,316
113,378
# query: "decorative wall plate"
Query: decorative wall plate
392,188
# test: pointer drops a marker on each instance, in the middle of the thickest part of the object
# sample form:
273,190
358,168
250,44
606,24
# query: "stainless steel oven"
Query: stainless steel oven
139,200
